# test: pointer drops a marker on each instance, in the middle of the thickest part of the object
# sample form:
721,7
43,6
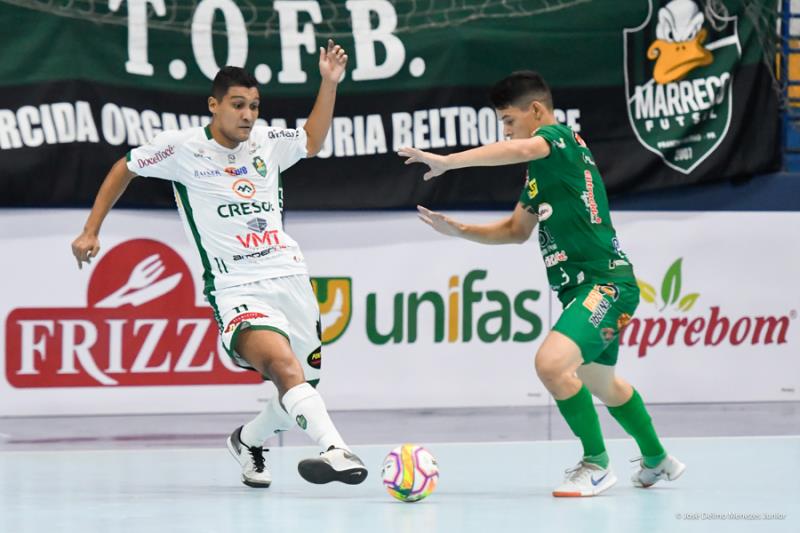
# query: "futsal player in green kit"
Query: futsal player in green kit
564,194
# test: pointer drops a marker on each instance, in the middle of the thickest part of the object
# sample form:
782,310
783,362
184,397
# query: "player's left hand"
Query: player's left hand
437,163
332,62
441,223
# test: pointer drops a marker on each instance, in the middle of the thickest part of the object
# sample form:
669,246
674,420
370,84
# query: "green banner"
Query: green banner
179,45
666,92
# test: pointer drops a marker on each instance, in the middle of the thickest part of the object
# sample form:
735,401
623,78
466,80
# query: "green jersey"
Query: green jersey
578,242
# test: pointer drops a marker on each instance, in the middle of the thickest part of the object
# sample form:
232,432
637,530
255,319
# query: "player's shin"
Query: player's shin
273,419
636,421
581,416
306,408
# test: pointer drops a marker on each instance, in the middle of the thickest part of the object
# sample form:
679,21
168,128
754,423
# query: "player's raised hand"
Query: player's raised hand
332,62
85,248
437,163
441,223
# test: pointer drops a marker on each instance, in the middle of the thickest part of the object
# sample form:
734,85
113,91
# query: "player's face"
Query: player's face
236,114
519,122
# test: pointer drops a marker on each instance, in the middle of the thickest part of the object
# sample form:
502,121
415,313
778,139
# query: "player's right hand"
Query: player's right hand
85,248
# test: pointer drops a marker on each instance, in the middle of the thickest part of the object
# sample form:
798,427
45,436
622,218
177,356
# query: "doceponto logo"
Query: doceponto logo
711,326
679,77
139,327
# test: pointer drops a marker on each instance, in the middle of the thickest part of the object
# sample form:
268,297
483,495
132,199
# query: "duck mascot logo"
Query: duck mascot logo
679,79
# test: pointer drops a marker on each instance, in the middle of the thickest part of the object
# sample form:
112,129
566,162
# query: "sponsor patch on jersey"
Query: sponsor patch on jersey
282,134
623,320
588,199
599,313
243,320
244,188
555,258
234,171
157,157
547,244
207,173
608,334
315,358
260,166
593,299
545,211
533,189
609,290
257,224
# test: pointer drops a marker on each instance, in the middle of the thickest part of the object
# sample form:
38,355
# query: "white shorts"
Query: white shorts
286,305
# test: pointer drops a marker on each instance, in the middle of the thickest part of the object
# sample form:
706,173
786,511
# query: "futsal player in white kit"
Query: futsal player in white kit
226,178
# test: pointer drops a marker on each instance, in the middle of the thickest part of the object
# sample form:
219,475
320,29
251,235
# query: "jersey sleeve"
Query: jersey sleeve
156,159
288,146
528,196
549,134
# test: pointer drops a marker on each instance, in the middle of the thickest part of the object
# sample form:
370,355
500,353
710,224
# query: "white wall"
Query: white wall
740,266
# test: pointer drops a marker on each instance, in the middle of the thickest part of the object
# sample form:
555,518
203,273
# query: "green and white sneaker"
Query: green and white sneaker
251,458
585,479
669,469
335,464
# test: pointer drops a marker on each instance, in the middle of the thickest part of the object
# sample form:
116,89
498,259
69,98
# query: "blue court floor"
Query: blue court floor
731,484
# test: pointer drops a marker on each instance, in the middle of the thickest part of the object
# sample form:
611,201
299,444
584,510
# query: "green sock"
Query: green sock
599,460
636,421
581,417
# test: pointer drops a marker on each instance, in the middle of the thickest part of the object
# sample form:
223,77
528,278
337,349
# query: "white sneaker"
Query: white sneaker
669,469
335,464
254,468
585,479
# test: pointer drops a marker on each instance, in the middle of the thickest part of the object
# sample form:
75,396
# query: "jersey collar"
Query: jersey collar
218,146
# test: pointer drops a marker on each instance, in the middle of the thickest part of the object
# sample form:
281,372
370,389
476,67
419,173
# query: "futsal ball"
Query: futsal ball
410,473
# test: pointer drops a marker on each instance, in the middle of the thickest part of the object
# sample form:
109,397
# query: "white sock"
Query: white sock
306,407
273,419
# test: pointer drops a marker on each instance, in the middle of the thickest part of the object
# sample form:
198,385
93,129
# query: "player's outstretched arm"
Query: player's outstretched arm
516,228
332,64
87,244
492,155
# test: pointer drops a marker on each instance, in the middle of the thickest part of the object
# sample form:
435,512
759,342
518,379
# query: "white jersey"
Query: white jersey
230,200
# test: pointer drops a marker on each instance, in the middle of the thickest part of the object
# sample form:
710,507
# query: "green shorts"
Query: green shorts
594,315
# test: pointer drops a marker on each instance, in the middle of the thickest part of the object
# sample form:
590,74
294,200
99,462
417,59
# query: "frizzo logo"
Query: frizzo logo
679,77
139,327
335,297
692,324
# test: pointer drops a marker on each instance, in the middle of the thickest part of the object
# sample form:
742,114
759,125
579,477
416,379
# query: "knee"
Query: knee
285,370
546,367
604,394
622,391
613,394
